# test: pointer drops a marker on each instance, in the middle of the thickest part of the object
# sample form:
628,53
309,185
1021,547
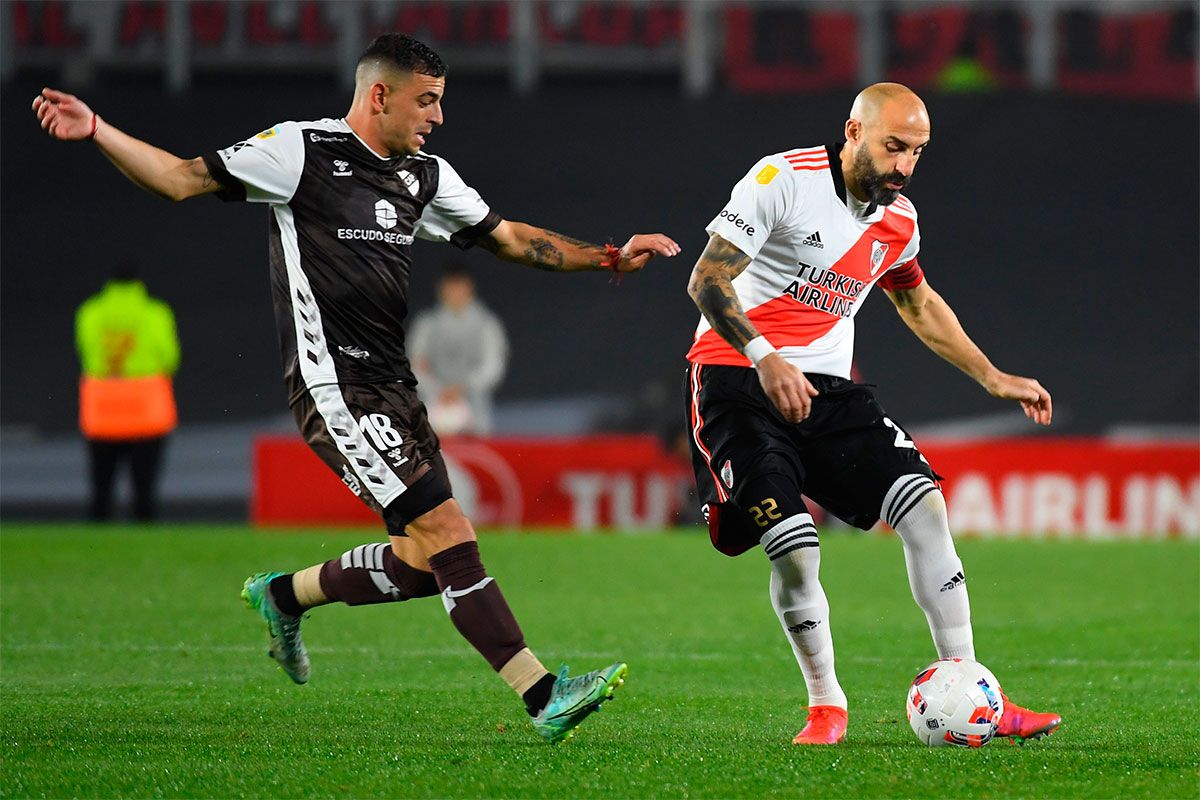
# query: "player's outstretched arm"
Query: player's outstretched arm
930,317
67,118
711,288
556,252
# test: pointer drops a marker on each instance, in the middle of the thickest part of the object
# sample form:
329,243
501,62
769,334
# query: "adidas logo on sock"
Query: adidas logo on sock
957,580
814,240
807,625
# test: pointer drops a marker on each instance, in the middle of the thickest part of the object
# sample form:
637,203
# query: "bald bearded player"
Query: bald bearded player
773,412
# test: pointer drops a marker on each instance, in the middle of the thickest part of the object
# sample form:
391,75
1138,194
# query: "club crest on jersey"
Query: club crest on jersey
727,473
410,181
385,215
341,168
878,251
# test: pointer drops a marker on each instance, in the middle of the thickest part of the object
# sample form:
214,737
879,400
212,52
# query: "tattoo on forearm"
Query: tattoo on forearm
562,237
542,254
712,289
594,253
724,312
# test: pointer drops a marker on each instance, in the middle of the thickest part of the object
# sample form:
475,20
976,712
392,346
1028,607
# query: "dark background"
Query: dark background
1063,230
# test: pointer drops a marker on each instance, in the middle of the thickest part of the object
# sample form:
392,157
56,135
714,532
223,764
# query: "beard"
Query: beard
872,181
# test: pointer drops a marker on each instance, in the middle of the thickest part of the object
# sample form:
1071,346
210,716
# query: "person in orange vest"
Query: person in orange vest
129,352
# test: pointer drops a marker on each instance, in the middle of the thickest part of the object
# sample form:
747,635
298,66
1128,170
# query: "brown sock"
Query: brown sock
475,604
371,573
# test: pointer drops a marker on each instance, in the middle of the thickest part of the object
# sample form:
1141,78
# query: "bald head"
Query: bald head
890,104
885,135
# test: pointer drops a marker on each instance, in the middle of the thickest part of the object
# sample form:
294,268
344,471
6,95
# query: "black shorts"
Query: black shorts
845,456
377,438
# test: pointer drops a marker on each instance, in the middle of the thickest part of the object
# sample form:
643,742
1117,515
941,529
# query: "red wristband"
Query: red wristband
92,135
612,257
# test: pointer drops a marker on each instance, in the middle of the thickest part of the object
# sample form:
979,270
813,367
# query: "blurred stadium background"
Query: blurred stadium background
1059,206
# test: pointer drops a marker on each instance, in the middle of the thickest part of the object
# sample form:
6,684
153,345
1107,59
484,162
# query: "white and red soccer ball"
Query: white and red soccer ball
955,702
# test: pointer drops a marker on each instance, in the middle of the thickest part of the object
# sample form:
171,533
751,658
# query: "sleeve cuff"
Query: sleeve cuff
907,276
467,237
232,190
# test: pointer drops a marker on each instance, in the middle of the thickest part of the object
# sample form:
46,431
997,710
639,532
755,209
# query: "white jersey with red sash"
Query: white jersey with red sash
815,254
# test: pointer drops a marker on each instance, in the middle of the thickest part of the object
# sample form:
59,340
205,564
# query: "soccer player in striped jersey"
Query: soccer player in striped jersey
773,411
347,198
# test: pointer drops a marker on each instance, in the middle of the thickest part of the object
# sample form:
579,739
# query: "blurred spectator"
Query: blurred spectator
459,354
129,351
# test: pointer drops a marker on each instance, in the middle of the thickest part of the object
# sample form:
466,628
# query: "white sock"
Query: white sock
800,604
916,509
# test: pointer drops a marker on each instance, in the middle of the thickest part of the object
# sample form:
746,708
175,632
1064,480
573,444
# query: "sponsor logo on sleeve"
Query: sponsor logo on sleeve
735,219
766,174
231,151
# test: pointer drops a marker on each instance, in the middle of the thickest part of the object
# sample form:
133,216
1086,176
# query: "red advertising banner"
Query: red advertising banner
1070,487
584,483
1088,488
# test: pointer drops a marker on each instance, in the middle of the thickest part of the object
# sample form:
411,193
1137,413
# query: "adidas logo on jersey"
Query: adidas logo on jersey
814,241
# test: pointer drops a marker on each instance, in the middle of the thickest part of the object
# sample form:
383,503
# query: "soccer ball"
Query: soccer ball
955,701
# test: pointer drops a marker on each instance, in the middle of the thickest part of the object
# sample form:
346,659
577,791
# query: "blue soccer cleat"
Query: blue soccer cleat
287,646
573,699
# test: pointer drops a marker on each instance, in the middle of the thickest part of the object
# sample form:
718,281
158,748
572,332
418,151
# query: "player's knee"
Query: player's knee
408,551
443,527
795,578
925,524
934,504
908,494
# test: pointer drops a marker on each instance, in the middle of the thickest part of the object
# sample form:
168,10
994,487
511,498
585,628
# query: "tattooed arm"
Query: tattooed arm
711,288
557,252
67,118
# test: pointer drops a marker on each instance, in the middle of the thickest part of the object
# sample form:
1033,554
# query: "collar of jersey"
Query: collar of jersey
839,181
368,147
835,170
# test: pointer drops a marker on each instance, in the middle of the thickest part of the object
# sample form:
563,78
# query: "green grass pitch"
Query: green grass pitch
130,668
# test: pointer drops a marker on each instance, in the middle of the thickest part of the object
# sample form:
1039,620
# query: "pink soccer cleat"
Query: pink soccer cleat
1020,723
825,725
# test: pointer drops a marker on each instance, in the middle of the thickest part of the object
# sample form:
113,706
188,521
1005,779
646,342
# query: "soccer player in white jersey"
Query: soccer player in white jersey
347,197
773,412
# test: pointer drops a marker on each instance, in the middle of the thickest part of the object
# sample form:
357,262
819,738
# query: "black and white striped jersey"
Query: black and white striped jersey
343,220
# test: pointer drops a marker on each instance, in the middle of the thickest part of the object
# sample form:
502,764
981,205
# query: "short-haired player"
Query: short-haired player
347,197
